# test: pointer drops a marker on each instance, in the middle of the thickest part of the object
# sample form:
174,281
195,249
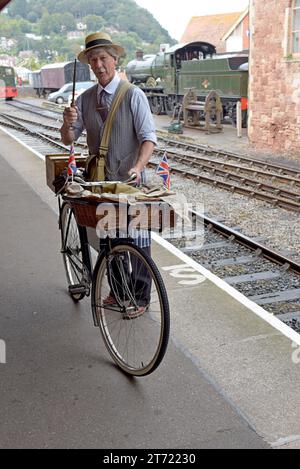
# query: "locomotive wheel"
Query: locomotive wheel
170,104
156,105
151,82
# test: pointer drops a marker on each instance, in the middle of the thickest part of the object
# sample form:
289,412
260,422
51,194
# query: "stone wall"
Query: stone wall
274,91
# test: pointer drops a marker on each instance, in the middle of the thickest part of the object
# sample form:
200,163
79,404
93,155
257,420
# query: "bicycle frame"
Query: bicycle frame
86,269
135,325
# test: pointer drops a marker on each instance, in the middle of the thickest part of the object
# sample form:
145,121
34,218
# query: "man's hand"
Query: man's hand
136,170
67,132
145,153
70,116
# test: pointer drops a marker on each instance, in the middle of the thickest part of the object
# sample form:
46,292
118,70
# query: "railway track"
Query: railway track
47,135
279,187
275,184
261,274
30,135
33,109
204,150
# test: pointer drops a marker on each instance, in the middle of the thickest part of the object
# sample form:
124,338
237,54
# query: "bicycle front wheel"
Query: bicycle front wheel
130,305
76,259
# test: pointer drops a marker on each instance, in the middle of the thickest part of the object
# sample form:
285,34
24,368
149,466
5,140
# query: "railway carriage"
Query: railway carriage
166,77
53,76
8,88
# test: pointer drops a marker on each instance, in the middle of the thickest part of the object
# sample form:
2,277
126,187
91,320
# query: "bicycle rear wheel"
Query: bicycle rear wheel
130,306
75,258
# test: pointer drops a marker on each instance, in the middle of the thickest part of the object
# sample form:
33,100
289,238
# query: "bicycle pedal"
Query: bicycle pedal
76,289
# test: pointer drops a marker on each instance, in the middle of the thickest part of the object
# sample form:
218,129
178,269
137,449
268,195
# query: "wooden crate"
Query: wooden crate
56,163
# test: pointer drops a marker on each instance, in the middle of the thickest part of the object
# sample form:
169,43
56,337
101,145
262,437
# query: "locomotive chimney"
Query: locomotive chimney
139,55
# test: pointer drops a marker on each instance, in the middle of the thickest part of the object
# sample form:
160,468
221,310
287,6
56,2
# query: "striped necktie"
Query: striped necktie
103,109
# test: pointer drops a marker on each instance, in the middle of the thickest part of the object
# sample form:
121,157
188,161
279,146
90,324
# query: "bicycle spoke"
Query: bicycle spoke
76,271
135,337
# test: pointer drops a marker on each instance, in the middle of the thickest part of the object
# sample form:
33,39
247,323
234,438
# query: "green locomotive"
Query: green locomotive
166,77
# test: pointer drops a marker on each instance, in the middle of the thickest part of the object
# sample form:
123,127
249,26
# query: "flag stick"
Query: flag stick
74,84
72,105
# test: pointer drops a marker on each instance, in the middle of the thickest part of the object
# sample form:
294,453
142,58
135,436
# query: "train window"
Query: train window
8,71
178,61
236,62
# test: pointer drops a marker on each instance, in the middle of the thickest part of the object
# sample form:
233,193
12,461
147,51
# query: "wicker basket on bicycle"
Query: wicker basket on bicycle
142,215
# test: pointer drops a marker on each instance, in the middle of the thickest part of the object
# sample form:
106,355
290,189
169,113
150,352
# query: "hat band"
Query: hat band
98,42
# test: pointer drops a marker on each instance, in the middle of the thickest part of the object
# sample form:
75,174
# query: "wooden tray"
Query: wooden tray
56,163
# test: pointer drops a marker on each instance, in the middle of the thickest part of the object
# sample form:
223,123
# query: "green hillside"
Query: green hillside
26,21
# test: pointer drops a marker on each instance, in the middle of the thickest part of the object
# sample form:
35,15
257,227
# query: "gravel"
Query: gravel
260,287
244,269
279,228
283,307
294,324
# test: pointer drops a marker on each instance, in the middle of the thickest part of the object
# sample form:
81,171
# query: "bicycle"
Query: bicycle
135,330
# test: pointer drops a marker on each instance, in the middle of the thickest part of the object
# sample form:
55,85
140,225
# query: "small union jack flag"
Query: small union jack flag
163,170
72,168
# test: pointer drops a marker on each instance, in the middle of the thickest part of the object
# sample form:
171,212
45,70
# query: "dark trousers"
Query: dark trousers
138,279
141,279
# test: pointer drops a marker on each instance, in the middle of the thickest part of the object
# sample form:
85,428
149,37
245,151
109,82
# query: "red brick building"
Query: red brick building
274,91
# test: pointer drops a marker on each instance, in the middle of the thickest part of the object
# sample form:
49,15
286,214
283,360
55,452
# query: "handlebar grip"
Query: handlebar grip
132,177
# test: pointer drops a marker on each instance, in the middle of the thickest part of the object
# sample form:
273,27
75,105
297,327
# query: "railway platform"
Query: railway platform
230,379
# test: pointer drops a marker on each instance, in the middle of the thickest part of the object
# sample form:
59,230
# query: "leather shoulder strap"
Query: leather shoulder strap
120,94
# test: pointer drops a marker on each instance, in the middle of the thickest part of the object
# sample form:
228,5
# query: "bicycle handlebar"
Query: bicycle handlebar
84,183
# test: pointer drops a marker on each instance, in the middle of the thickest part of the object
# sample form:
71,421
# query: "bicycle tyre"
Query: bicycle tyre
73,242
150,330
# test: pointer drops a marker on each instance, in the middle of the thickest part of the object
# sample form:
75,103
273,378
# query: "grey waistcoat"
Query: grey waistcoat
123,146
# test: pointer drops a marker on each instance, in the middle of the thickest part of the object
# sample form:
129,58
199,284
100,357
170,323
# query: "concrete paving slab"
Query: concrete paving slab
59,388
253,364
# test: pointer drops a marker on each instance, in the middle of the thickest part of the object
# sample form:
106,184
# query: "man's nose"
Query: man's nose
98,63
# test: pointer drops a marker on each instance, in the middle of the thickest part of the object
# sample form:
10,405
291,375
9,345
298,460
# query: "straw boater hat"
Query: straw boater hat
98,40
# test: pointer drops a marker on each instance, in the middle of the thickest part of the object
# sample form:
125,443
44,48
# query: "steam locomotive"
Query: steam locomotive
167,76
8,88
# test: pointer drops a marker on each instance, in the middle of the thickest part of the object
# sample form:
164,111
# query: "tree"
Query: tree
67,22
94,23
31,63
32,17
25,26
137,27
18,7
131,42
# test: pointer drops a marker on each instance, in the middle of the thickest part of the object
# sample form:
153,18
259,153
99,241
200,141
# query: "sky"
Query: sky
174,15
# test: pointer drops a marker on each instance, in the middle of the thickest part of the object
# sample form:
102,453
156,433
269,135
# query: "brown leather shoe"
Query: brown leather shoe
109,301
135,313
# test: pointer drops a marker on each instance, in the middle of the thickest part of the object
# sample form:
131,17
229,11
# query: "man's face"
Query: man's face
103,66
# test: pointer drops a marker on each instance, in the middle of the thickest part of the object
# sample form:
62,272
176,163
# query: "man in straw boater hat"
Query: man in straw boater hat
132,138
